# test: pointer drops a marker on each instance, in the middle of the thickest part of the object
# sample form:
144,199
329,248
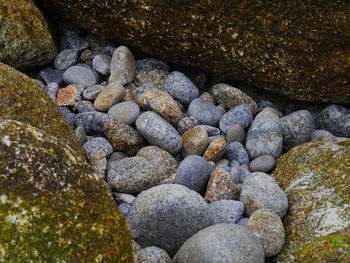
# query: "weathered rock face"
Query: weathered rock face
316,178
52,207
291,47
25,38
22,99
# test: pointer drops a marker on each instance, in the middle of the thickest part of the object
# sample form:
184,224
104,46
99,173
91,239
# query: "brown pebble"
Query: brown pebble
215,150
195,141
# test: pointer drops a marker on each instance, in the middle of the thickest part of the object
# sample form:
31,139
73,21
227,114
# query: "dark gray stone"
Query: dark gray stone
159,132
85,106
335,119
125,209
194,172
166,216
229,243
97,144
262,104
297,128
263,163
205,112
101,63
226,211
91,93
260,190
180,87
149,64
92,121
81,135
70,116
235,173
186,124
52,89
50,75
241,115
126,112
211,131
65,59
71,40
236,151
80,75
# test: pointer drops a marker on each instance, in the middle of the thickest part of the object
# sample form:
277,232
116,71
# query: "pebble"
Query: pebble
110,95
115,156
335,119
263,163
186,124
159,132
149,64
268,226
243,221
240,115
151,255
71,40
125,209
122,198
194,172
69,116
90,93
123,137
81,135
205,112
221,187
212,131
231,97
164,162
195,142
131,175
215,150
208,97
65,59
85,106
99,164
102,64
260,190
142,89
80,75
97,144
180,87
235,133
69,95
235,173
50,75
262,104
226,211
92,121
166,216
265,135
296,128
236,151
322,135
52,89
154,77
123,66
229,243
161,103
212,138
126,112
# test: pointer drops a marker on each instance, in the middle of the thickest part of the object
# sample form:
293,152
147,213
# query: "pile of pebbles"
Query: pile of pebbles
188,164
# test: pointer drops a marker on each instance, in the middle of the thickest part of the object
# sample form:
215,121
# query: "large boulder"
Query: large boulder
52,207
22,99
316,178
26,41
295,48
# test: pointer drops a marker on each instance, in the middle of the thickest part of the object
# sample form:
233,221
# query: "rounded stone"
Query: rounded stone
195,142
212,131
81,135
91,93
208,97
186,124
85,106
226,211
65,59
265,135
131,175
149,64
296,128
98,144
102,64
229,243
268,226
322,135
166,216
240,115
92,121
260,190
79,75
123,66
126,112
151,255
204,112
235,133
155,78
263,163
236,151
159,132
335,119
109,95
215,150
243,221
180,87
194,172
125,209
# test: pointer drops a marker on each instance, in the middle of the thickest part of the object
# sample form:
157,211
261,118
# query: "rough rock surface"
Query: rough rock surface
26,41
53,208
315,177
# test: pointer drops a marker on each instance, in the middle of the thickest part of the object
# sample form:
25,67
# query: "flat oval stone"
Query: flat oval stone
195,142
159,132
263,163
123,66
205,112
109,95
126,112
240,115
79,75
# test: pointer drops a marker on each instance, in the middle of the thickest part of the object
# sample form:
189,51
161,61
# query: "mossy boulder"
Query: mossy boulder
26,40
297,48
316,178
22,99
52,207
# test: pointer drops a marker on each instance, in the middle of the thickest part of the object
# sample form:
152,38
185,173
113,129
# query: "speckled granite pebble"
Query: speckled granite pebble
126,112
226,211
186,124
72,40
101,63
154,77
263,163
205,112
92,121
335,119
90,93
85,106
97,144
109,95
52,89
149,64
236,151
195,142
235,133
69,116
123,66
151,255
65,59
212,131
215,150
240,115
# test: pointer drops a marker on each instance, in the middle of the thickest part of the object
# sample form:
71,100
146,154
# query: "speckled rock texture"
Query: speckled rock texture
227,243
53,208
226,211
215,150
26,41
205,112
315,177
22,99
151,255
291,47
166,216
195,141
